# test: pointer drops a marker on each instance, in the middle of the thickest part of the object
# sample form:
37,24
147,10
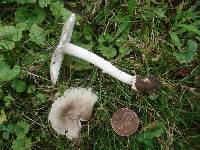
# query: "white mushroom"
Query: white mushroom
64,46
69,110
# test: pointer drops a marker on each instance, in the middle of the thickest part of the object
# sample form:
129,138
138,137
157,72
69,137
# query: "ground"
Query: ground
149,37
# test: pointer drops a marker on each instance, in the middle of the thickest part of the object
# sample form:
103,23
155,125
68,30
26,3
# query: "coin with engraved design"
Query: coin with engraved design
125,122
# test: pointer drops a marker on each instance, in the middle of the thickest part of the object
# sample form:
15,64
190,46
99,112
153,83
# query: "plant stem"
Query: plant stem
106,66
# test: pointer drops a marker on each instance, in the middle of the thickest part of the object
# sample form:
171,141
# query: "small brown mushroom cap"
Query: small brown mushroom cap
69,110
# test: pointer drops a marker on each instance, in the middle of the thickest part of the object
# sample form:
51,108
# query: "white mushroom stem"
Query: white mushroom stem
106,66
65,46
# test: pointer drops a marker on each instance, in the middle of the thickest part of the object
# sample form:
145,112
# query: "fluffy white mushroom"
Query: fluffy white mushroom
69,110
147,85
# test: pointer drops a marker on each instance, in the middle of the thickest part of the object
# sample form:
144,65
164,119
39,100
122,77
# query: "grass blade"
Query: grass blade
175,39
131,6
190,28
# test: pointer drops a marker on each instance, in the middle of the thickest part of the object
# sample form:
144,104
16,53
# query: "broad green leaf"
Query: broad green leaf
175,39
101,39
7,74
2,127
87,46
28,16
22,143
10,33
124,26
108,38
108,52
44,3
31,89
37,35
8,45
25,1
18,35
75,36
190,28
21,128
122,50
42,98
7,99
87,32
22,26
19,85
10,128
159,12
7,32
58,10
120,41
131,6
188,54
151,131
3,117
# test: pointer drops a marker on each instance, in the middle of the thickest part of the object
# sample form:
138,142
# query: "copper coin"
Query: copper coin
125,122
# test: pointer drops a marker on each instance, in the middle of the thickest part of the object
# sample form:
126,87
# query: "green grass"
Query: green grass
144,31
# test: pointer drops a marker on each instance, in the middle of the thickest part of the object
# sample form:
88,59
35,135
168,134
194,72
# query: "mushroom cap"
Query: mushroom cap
68,110
57,56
